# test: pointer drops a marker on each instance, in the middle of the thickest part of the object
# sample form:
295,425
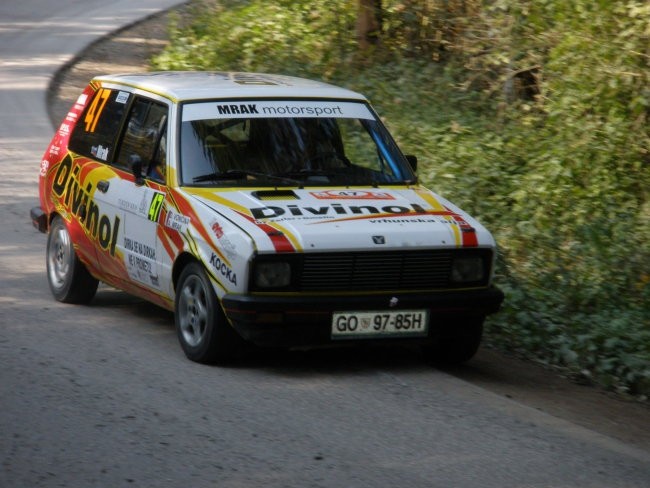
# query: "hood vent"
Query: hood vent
275,195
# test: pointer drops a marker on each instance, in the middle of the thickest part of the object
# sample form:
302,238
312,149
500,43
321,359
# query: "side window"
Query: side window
145,139
96,131
364,147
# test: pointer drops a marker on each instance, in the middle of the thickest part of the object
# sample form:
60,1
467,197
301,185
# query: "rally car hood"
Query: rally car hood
321,219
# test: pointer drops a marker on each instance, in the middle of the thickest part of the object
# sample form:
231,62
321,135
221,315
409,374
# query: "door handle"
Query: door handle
102,185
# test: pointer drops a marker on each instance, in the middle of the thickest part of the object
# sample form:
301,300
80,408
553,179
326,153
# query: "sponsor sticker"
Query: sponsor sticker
128,206
217,229
82,99
149,206
122,97
352,195
226,245
142,270
177,221
155,206
332,210
100,152
74,199
275,109
139,248
223,269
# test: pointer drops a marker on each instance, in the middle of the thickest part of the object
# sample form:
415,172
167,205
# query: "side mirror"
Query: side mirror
413,161
135,162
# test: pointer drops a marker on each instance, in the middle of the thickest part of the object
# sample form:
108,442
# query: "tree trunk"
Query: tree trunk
368,23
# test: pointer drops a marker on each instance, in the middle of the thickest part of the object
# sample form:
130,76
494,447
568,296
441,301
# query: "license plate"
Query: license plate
367,324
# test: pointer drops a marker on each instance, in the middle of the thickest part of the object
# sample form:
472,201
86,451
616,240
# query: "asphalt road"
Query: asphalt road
102,395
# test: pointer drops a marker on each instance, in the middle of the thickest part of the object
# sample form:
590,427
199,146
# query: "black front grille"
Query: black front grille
374,271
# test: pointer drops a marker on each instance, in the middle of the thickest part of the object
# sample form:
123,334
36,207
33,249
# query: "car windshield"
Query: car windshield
287,143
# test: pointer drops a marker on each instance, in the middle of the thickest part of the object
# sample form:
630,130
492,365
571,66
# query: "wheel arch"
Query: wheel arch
50,218
69,279
42,220
182,260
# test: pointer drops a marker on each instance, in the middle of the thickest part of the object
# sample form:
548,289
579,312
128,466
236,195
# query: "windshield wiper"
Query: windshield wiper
313,176
306,173
240,174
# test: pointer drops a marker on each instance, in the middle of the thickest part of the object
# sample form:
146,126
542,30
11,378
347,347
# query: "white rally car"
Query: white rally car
261,209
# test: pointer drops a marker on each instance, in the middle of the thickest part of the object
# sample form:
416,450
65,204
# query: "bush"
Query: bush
304,37
578,248
536,122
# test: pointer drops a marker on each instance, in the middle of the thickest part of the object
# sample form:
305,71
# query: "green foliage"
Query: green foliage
536,122
577,237
426,29
309,37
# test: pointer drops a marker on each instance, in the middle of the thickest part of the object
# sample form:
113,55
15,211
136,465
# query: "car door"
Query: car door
141,159
123,136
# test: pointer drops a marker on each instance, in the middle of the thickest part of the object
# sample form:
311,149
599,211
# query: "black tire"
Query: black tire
201,326
457,343
67,276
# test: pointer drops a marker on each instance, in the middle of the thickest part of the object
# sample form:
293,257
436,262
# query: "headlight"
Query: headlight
467,269
272,274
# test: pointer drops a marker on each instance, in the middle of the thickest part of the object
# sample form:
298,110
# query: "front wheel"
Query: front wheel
201,325
457,342
69,279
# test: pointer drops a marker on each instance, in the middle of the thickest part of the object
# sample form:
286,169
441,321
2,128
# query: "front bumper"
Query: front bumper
295,321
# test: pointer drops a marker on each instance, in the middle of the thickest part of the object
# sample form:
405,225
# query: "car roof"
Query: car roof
197,85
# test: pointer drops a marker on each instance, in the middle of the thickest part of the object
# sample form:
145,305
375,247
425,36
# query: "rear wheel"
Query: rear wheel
201,325
69,279
457,343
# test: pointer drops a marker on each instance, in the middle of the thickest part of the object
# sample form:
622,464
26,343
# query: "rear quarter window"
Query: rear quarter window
96,132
